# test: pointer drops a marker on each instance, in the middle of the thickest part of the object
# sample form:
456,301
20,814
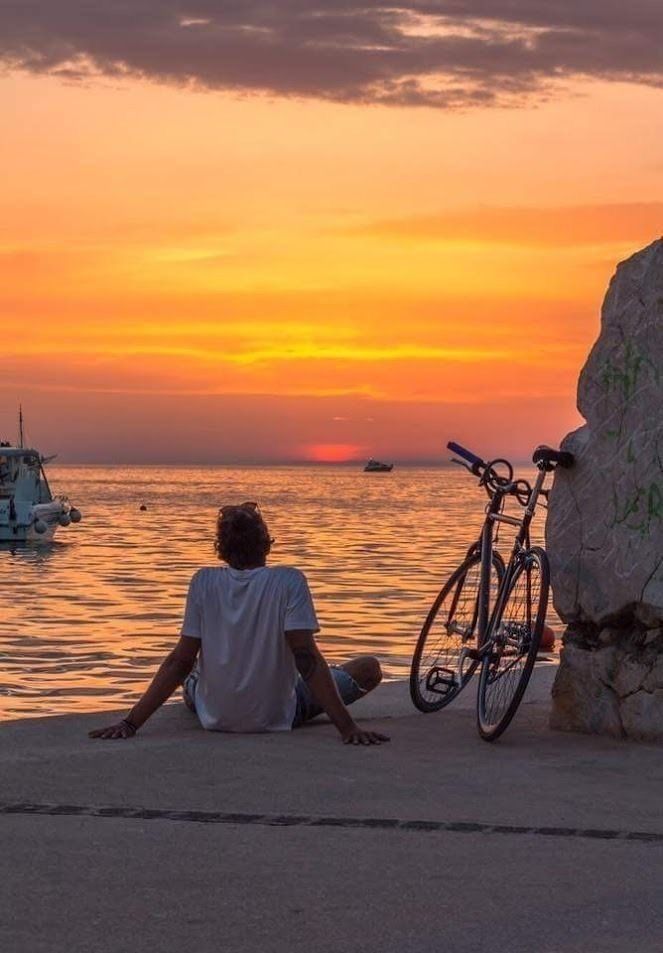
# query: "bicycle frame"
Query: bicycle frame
494,515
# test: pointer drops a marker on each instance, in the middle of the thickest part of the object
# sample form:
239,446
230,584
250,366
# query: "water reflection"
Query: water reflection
37,552
86,617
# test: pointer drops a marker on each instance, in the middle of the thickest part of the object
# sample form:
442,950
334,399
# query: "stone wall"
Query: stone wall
605,523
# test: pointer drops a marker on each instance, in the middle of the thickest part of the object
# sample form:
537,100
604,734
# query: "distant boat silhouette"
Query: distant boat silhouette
374,466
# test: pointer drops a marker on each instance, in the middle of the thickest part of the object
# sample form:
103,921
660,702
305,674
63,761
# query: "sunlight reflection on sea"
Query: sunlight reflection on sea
86,619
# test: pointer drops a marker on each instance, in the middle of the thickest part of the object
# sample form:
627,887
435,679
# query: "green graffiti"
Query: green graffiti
642,508
655,502
624,377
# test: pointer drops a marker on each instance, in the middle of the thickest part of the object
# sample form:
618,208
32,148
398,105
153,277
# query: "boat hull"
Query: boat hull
24,531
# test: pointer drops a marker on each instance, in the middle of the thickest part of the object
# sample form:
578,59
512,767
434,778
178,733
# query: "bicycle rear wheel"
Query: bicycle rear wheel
440,667
513,638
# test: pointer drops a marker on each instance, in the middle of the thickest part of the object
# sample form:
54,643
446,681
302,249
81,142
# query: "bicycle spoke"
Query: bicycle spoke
453,624
440,666
514,638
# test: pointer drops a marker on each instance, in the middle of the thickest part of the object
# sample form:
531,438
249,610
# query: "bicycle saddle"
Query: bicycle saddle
550,458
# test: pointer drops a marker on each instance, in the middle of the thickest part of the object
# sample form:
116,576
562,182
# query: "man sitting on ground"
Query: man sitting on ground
253,626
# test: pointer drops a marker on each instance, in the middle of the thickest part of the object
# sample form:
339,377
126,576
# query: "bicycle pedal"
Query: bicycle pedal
441,680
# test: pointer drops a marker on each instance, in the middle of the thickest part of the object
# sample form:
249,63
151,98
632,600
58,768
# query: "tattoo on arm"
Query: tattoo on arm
306,661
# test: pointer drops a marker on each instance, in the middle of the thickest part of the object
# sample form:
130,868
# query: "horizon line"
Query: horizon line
346,464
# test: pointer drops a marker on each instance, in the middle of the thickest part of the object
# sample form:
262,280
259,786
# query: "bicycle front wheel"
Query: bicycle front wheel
513,642
440,665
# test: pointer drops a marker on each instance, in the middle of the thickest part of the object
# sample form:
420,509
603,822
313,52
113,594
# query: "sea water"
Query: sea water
86,619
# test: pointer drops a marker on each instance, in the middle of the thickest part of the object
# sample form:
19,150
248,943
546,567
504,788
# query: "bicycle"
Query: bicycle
489,613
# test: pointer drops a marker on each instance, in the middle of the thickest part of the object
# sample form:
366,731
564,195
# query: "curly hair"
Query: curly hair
242,537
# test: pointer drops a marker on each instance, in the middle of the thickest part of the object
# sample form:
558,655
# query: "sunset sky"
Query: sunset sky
302,230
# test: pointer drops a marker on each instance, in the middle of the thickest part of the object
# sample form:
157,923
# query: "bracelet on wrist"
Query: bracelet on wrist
130,725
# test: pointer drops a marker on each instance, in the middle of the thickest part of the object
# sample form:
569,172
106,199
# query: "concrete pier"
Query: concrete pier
184,840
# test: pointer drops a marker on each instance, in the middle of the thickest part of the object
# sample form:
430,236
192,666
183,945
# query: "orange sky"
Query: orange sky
200,275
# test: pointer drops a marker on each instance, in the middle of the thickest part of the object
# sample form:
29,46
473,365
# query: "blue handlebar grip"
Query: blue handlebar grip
472,459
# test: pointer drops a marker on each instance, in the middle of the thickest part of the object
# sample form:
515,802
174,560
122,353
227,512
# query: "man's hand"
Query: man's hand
357,736
313,668
172,672
123,729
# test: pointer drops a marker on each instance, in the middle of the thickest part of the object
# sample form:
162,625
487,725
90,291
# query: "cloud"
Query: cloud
530,227
449,53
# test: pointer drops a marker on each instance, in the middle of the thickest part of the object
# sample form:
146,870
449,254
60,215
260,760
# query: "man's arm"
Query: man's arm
172,672
313,668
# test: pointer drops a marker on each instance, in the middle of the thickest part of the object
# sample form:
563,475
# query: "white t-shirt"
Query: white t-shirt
247,670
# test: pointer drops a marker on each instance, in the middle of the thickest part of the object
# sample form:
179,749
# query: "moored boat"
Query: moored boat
28,509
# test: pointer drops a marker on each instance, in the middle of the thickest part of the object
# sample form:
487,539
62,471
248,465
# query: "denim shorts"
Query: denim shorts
306,708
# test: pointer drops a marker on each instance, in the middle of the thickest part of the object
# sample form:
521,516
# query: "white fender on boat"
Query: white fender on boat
76,515
64,519
40,527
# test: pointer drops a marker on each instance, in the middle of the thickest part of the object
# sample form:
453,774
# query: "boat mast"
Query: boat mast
20,426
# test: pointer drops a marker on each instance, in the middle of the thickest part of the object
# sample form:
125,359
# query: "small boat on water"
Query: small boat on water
374,466
28,509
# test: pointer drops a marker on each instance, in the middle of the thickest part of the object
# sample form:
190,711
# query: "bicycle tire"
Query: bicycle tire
514,638
462,587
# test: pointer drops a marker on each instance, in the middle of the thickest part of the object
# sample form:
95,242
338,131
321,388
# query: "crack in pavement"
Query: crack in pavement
313,820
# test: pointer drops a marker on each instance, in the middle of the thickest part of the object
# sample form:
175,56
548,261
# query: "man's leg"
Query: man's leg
365,670
189,688
354,679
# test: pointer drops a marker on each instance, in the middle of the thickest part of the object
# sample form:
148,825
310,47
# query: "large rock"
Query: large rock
605,523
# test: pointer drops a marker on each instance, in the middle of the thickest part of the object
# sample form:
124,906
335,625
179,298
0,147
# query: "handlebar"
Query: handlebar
476,463
544,457
488,475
